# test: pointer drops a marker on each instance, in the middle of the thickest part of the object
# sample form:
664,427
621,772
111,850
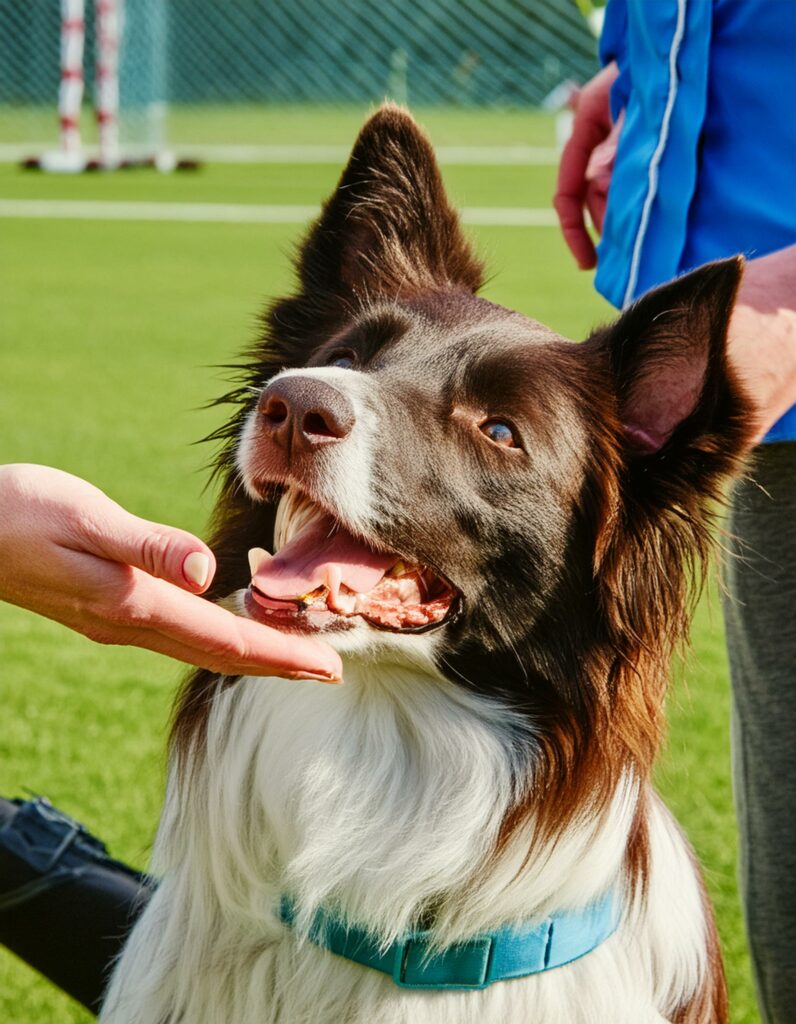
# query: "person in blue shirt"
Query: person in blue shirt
683,151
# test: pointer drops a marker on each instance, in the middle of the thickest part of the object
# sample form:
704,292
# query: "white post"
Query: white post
109,27
70,95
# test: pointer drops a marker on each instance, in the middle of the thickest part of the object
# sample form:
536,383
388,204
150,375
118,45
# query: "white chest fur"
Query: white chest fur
382,796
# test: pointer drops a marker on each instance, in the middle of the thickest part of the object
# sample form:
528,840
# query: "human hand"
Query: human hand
67,551
587,162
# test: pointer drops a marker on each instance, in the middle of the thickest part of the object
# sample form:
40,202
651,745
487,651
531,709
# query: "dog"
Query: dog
501,532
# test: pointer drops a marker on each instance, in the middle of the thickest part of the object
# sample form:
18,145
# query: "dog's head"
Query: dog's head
445,479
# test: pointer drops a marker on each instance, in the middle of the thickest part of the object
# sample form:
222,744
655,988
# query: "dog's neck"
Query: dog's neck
385,798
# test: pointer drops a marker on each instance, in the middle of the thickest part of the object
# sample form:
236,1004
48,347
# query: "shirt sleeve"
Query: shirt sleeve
614,47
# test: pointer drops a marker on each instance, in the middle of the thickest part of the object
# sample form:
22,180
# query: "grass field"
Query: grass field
110,335
297,124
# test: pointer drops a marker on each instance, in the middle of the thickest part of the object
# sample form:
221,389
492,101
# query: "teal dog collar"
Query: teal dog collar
509,952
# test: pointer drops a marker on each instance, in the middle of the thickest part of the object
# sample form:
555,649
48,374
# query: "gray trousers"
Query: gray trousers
760,616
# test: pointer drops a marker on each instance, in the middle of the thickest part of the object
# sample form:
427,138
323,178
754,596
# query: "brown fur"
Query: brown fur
590,666
384,231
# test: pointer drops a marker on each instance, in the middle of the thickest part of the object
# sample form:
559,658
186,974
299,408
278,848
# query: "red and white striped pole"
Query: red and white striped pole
109,27
70,95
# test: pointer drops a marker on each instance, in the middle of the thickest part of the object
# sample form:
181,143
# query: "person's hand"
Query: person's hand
69,552
587,163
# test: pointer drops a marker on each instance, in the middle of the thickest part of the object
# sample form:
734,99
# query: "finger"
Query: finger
570,192
596,202
601,162
217,636
591,125
568,199
160,644
573,228
161,551
603,157
122,605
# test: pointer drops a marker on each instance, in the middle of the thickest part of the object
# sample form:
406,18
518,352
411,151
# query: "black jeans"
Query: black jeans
760,613
66,907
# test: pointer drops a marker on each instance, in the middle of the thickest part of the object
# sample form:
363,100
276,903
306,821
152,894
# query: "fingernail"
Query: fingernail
196,568
317,677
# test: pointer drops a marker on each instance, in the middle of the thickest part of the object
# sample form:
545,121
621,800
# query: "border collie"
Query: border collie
501,532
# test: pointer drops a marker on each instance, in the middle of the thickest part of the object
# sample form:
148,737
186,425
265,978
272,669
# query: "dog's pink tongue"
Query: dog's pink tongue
321,552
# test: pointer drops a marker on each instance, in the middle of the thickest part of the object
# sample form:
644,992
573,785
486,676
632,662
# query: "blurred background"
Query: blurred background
127,283
198,73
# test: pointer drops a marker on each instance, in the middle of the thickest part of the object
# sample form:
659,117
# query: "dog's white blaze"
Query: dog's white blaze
379,795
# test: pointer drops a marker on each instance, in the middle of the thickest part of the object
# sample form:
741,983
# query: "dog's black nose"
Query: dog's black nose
305,412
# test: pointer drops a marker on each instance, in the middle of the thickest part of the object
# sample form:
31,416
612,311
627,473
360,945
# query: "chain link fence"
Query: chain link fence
181,57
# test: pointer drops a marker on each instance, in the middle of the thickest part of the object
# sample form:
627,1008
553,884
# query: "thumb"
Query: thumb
176,556
162,551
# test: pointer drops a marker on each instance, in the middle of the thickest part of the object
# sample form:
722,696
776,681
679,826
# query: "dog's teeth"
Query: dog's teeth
257,559
333,581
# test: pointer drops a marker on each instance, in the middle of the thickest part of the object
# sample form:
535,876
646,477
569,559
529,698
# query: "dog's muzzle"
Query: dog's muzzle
305,413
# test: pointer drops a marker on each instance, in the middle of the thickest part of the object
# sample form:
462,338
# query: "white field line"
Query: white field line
475,156
237,213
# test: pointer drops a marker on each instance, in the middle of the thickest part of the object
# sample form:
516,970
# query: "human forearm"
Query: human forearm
762,337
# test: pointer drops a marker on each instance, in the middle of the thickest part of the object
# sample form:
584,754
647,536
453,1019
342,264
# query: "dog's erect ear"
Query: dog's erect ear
668,362
683,428
388,229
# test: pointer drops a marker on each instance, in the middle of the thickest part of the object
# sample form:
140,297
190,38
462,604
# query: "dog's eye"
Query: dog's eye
499,433
342,357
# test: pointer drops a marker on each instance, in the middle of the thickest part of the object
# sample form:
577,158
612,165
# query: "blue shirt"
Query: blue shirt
706,164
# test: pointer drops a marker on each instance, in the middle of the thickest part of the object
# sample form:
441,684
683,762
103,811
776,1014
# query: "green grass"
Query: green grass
268,183
110,332
250,124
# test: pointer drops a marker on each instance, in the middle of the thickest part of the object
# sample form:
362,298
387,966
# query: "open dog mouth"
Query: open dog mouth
323,574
